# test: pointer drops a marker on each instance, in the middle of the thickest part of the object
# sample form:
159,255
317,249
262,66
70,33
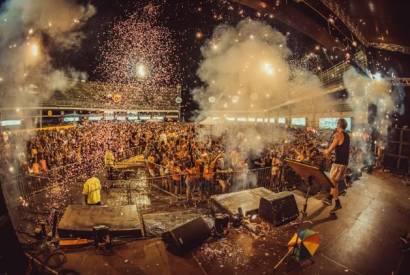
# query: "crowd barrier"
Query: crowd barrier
72,173
235,181
157,176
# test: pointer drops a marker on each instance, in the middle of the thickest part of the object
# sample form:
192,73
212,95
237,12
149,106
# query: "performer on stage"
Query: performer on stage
341,146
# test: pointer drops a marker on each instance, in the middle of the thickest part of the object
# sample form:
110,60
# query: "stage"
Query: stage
362,239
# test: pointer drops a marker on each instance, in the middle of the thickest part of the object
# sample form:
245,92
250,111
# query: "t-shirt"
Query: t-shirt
109,158
92,188
43,165
36,168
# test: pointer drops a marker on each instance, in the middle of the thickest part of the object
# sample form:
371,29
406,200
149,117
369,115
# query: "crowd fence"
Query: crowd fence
72,173
158,176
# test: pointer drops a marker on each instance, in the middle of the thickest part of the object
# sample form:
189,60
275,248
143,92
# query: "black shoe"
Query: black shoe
337,207
327,200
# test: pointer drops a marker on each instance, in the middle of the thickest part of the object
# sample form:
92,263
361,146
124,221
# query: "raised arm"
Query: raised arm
336,140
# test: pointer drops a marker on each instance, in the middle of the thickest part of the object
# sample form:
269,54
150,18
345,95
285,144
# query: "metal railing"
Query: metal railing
334,75
235,180
30,184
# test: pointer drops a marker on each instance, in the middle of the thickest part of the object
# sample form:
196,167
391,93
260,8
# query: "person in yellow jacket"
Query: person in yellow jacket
92,191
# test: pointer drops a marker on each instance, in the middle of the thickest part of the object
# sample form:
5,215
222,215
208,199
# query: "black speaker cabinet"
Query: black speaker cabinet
279,208
187,236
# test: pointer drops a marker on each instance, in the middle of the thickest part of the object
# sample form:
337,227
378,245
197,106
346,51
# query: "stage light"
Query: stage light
34,49
377,76
199,35
268,68
141,71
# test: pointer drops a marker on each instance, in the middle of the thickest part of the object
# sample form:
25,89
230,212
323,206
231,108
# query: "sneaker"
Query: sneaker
337,207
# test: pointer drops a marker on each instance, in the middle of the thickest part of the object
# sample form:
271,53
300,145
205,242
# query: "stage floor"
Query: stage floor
362,239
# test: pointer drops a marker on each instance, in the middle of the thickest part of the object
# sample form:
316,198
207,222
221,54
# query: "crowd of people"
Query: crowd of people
96,94
184,156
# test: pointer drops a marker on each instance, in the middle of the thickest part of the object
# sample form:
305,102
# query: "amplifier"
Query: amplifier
278,208
187,236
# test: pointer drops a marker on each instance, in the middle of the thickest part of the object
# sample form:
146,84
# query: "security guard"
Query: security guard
92,191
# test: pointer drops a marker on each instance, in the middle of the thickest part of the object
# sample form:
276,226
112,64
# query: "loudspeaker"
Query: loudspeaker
279,208
187,236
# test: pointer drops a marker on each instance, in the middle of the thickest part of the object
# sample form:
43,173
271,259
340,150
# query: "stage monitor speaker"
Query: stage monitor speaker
278,209
187,236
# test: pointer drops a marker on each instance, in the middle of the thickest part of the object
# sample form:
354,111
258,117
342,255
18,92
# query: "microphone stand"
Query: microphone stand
299,224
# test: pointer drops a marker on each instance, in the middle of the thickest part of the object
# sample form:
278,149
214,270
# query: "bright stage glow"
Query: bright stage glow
141,71
34,49
377,76
268,68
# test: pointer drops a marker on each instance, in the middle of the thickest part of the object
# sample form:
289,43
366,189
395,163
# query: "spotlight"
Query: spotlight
141,71
34,49
199,35
268,68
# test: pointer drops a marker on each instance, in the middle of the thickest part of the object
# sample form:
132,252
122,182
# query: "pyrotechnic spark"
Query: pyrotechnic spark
199,35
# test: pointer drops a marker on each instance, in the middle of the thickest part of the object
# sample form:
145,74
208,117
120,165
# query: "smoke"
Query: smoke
373,100
246,70
28,30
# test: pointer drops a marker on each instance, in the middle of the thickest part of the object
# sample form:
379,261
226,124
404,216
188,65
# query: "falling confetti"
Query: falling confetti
142,56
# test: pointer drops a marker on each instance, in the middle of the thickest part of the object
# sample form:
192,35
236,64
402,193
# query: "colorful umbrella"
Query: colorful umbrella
306,246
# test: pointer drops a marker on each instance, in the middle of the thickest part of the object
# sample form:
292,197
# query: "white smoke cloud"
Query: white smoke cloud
384,100
246,70
28,30
26,70
371,90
